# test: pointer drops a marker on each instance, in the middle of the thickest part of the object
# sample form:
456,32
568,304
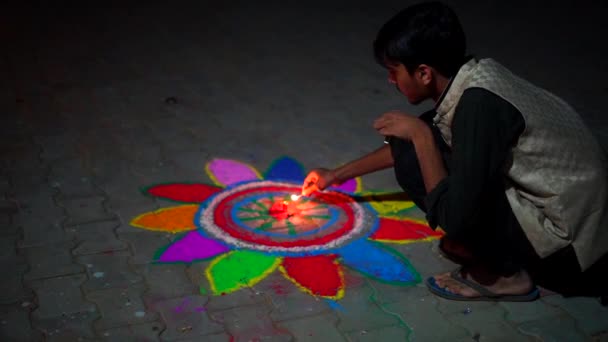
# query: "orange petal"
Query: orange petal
403,231
319,275
172,219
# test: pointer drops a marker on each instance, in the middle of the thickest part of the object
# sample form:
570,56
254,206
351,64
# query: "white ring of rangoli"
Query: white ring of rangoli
207,222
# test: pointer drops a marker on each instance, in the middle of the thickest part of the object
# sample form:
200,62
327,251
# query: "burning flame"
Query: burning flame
295,197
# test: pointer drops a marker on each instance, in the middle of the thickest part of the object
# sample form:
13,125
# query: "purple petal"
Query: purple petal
193,246
348,186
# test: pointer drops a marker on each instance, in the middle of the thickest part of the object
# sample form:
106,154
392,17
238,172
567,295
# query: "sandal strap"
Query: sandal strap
456,275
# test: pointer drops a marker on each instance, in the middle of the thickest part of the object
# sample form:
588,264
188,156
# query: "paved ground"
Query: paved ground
85,125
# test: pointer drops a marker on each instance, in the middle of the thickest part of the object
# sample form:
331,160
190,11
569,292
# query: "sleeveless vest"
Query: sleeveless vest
556,177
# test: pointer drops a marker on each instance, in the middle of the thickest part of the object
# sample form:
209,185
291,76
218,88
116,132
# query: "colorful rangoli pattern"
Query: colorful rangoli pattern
248,226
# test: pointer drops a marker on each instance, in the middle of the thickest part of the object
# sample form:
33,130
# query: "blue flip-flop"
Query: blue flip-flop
486,295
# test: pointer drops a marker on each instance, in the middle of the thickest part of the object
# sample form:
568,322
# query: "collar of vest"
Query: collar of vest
454,89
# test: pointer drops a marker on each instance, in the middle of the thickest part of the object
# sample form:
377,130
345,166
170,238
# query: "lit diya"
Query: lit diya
281,210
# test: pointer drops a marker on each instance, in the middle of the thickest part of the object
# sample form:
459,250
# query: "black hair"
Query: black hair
426,33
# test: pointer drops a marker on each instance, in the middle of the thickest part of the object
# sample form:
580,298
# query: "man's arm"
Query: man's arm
319,179
429,158
377,160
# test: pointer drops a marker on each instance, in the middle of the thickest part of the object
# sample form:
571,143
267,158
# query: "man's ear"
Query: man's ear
424,74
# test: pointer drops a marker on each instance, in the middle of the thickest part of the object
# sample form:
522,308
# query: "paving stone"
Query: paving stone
28,174
53,147
76,326
61,295
70,178
288,301
222,337
8,246
166,281
190,165
394,333
8,205
5,185
452,307
41,221
121,307
38,232
15,326
40,202
7,226
357,311
529,311
132,204
140,332
590,315
108,270
41,266
186,318
144,245
425,258
556,328
128,208
11,284
150,166
417,308
97,237
248,323
390,293
235,299
315,328
81,210
488,323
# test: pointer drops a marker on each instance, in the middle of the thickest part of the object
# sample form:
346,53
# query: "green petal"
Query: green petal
239,269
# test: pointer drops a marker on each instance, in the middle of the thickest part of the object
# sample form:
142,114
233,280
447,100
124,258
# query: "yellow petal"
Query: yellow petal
391,205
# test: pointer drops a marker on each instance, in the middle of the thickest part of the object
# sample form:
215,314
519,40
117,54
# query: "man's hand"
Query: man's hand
318,180
398,124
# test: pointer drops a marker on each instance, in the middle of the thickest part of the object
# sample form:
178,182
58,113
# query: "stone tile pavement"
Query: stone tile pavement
85,123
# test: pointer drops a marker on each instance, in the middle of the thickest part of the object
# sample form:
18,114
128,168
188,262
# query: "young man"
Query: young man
508,170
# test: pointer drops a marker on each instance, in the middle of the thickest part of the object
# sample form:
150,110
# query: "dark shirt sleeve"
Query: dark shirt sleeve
484,129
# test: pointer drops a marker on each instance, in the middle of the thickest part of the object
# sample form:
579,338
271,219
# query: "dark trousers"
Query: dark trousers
498,240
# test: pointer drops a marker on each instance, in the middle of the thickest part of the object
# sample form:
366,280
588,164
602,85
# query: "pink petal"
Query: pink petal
193,246
226,172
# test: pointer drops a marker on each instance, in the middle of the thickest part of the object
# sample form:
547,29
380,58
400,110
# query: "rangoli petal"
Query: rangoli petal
239,269
226,172
191,247
172,219
286,169
351,186
403,231
318,275
392,205
183,192
378,262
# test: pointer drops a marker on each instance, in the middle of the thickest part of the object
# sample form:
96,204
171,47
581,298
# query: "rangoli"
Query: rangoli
249,226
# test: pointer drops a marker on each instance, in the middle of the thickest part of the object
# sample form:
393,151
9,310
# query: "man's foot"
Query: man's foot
476,282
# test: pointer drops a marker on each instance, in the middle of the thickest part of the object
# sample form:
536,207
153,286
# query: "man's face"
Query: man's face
408,84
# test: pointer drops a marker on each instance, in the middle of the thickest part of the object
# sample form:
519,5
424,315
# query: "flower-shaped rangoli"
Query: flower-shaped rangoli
250,227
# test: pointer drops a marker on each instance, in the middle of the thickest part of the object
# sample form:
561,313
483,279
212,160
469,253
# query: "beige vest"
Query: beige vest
556,179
